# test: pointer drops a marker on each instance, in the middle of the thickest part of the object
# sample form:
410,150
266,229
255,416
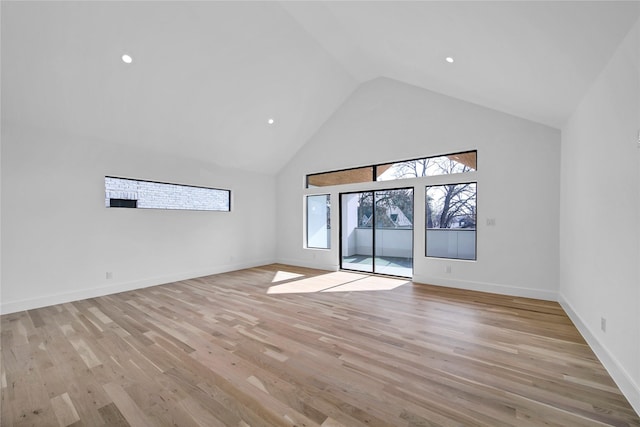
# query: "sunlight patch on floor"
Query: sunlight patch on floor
369,283
315,284
339,281
281,276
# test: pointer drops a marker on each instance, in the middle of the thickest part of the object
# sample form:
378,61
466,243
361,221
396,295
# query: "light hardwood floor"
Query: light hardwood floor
264,347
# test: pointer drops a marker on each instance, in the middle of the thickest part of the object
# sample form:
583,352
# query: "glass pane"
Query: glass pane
429,166
318,221
132,193
357,232
451,221
394,232
350,176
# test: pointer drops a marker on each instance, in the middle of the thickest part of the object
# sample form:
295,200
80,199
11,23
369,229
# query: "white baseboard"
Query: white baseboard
493,288
43,301
625,382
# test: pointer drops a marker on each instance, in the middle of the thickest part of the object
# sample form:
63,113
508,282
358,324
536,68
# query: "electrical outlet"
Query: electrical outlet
109,275
491,222
603,324
447,269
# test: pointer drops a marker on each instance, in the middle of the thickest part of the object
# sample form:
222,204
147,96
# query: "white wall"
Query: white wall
600,217
518,174
58,239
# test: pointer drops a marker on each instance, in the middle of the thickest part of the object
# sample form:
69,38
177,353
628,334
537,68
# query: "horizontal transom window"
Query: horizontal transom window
414,168
132,193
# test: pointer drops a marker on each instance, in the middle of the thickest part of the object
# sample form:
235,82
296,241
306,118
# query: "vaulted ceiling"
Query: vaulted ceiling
206,76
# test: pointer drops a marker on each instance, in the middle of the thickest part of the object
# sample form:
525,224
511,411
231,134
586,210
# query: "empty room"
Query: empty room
315,213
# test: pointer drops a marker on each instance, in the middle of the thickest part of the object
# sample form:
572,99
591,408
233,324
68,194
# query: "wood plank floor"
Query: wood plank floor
287,346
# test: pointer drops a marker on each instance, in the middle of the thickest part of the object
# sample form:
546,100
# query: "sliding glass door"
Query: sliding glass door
377,231
356,228
393,232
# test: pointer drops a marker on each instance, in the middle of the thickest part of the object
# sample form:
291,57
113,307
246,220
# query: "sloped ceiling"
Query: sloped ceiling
206,76
533,59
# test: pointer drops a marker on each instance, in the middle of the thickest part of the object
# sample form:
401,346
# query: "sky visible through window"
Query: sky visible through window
430,166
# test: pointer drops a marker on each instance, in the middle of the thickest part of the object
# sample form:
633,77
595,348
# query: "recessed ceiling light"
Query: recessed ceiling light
449,59
127,59
271,121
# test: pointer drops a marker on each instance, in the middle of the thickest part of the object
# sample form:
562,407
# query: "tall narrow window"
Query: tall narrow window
451,221
318,221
